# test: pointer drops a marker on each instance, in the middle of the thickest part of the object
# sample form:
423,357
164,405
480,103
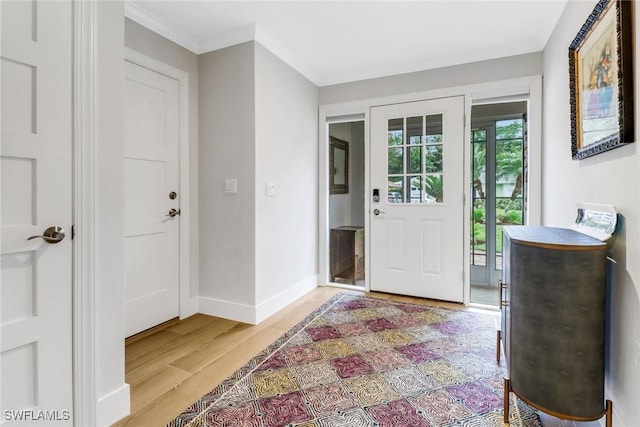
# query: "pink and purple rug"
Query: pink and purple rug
361,361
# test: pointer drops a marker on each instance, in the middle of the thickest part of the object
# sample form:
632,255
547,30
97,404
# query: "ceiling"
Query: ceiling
340,41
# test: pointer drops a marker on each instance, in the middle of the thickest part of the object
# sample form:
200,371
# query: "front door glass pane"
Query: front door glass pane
415,158
395,189
434,128
415,185
433,159
414,130
396,132
395,160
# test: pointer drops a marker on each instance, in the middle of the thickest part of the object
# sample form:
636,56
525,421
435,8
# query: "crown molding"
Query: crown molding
142,17
241,35
272,45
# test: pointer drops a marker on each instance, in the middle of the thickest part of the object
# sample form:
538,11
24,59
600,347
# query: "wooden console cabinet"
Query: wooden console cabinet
346,254
553,321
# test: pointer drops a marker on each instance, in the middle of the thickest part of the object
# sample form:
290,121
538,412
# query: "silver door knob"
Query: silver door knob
173,212
377,212
51,235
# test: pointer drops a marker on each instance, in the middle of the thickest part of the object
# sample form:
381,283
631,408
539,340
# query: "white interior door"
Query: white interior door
35,163
417,168
151,191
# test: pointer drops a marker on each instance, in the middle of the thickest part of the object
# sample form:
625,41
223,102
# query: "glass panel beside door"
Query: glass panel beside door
498,149
346,204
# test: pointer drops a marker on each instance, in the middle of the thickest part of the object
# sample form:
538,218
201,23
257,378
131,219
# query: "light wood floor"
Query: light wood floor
172,368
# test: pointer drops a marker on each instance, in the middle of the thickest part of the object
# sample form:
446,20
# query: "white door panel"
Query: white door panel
35,169
417,167
151,241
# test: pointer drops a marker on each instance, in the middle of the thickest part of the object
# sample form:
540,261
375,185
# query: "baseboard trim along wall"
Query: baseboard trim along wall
113,406
227,309
188,307
286,297
256,314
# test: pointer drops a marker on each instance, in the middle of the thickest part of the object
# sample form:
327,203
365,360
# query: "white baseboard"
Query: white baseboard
227,310
256,314
286,297
189,307
114,406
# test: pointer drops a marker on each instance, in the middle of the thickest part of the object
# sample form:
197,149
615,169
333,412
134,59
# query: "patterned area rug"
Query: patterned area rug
361,361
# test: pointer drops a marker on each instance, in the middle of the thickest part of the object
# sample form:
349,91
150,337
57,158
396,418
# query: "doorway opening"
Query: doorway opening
347,203
499,189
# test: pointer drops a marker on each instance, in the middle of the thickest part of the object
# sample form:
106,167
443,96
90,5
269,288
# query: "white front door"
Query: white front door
151,240
36,194
417,169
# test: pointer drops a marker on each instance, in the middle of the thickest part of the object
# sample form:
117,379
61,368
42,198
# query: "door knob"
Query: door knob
173,212
377,212
51,235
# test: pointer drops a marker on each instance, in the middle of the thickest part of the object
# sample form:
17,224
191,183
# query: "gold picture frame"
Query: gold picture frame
601,81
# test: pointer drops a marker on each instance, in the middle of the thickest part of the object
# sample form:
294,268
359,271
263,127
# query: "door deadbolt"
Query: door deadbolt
173,195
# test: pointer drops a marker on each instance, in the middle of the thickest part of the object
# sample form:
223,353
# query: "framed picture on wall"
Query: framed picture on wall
601,81
338,166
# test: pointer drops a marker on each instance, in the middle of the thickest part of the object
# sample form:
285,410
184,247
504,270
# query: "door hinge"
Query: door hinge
464,199
464,120
73,232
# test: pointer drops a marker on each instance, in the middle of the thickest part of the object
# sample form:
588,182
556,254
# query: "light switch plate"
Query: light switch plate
271,189
230,185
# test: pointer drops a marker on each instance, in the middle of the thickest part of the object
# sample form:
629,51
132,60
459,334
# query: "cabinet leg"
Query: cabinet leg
507,390
609,414
498,339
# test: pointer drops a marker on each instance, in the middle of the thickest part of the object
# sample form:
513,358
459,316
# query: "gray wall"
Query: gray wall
611,178
287,155
258,124
147,42
458,75
227,151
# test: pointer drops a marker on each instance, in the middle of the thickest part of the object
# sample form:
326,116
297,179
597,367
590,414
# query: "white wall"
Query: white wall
111,391
286,150
227,151
458,75
611,178
151,44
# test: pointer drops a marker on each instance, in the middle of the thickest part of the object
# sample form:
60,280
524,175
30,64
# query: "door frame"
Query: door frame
331,115
488,92
86,57
334,117
84,208
188,305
